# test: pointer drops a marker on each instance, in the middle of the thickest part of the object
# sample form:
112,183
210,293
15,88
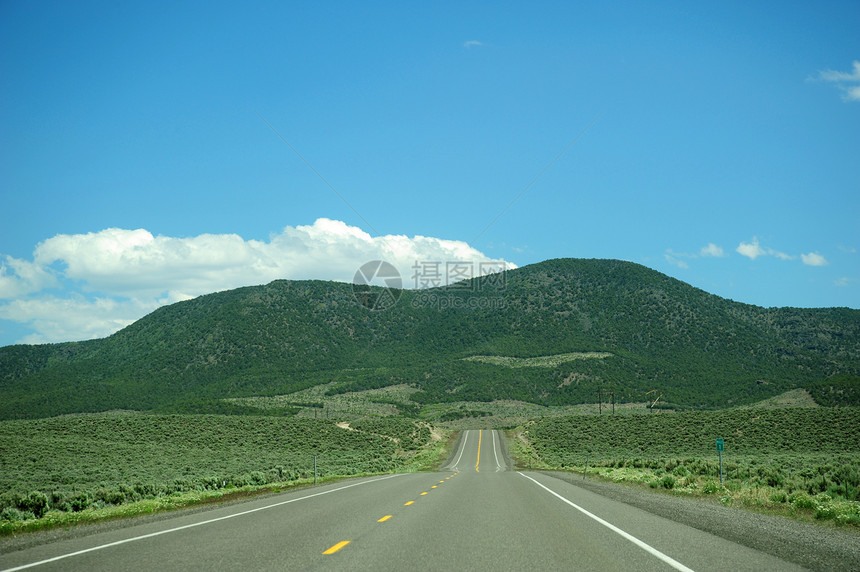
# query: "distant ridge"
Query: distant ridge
696,349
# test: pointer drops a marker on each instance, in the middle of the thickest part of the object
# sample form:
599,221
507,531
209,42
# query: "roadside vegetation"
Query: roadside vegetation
801,462
81,468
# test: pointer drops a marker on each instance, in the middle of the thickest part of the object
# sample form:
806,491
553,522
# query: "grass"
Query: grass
798,462
738,492
64,470
174,501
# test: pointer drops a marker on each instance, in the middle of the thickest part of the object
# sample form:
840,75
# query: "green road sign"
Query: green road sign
720,445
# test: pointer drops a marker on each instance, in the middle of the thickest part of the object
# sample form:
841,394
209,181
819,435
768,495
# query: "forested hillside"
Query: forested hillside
651,332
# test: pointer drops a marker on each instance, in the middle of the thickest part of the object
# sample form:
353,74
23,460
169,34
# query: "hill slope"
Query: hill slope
699,350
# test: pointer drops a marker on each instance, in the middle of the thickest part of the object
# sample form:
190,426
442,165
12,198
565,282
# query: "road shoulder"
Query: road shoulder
809,545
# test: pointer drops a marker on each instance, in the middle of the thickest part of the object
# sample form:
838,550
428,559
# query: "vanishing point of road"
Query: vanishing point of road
475,514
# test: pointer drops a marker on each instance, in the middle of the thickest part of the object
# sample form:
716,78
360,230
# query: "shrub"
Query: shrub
146,489
110,496
36,503
680,471
128,492
842,513
667,482
240,481
818,484
9,499
710,487
79,502
802,500
12,514
771,476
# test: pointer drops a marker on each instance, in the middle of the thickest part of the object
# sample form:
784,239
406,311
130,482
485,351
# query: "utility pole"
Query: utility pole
599,404
613,402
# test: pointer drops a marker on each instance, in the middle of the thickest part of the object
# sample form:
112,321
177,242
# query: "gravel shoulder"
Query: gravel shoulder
817,547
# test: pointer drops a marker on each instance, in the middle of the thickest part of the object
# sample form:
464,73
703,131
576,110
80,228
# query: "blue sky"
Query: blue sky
144,155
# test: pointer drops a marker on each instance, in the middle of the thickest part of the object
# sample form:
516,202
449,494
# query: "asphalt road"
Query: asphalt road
476,514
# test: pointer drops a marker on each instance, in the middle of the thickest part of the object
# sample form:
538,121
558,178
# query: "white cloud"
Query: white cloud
847,82
844,281
832,75
677,258
712,250
671,259
751,250
813,259
75,318
780,255
472,44
19,277
115,276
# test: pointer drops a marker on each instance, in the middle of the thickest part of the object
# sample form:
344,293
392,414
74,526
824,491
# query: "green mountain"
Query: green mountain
597,325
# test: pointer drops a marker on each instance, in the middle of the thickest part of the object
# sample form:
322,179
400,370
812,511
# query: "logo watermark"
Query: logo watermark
377,273
441,284
443,301
458,275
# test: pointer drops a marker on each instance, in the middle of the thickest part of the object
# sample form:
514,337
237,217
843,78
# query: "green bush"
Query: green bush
11,513
802,500
36,503
110,496
842,513
79,502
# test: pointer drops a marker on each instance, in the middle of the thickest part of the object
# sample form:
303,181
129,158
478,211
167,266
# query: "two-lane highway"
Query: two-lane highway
475,514
468,452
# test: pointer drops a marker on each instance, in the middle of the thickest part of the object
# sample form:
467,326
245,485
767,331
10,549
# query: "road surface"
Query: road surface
475,514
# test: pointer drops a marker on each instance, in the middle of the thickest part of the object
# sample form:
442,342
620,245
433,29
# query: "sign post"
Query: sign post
720,448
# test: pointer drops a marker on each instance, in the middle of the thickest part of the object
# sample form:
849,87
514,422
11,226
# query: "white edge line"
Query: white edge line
201,523
462,449
496,453
647,547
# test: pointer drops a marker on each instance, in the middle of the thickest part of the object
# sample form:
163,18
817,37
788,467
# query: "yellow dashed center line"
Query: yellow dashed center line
343,543
336,547
478,462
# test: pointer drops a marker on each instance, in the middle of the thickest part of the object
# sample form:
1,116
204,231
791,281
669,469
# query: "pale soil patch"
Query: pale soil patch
510,413
542,361
793,398
436,434
355,403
